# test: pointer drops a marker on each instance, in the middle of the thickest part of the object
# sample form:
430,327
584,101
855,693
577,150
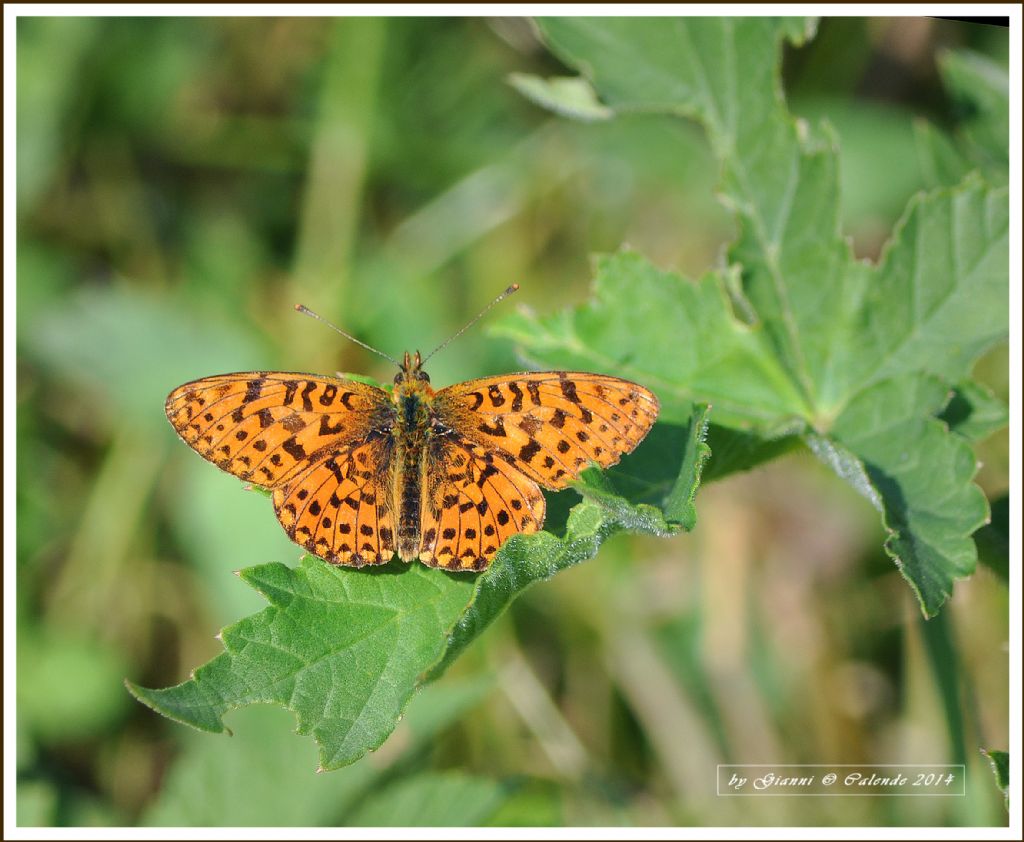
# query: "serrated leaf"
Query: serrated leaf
833,324
974,412
737,450
343,649
527,559
211,781
1000,763
714,355
921,474
675,64
811,331
937,300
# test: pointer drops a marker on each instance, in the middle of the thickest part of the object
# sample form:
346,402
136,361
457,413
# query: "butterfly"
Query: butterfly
359,473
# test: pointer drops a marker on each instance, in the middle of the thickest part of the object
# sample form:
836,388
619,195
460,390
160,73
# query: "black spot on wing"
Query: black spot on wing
307,390
495,395
327,429
534,391
294,449
290,387
568,388
529,450
327,398
253,389
496,429
517,396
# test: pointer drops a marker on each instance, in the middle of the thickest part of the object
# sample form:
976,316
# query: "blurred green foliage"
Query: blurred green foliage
182,182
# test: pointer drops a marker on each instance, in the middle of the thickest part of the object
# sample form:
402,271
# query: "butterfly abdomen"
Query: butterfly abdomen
410,444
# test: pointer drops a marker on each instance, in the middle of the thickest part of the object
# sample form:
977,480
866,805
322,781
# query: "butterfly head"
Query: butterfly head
411,370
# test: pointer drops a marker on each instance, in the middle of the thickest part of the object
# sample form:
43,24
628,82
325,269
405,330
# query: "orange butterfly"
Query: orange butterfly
359,473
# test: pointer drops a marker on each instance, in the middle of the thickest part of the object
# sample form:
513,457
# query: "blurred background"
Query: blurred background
183,182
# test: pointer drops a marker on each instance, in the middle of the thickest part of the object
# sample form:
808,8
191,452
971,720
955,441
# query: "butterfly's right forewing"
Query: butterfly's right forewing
551,423
269,427
475,498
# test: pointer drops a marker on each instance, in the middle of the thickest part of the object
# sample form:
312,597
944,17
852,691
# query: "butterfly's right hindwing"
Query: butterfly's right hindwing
475,498
268,427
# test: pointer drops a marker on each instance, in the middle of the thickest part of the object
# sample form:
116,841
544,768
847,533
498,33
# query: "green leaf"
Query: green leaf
715,357
526,559
796,337
432,799
343,649
920,476
212,781
686,65
570,97
736,450
983,90
974,412
937,300
1000,762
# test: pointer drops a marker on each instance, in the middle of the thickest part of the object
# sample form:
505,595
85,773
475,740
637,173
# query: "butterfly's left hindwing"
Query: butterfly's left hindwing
268,427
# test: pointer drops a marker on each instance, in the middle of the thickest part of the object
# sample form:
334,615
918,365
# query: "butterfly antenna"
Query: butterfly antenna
455,336
306,311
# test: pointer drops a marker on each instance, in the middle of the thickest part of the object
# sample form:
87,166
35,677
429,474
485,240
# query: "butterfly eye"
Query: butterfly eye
422,375
399,377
